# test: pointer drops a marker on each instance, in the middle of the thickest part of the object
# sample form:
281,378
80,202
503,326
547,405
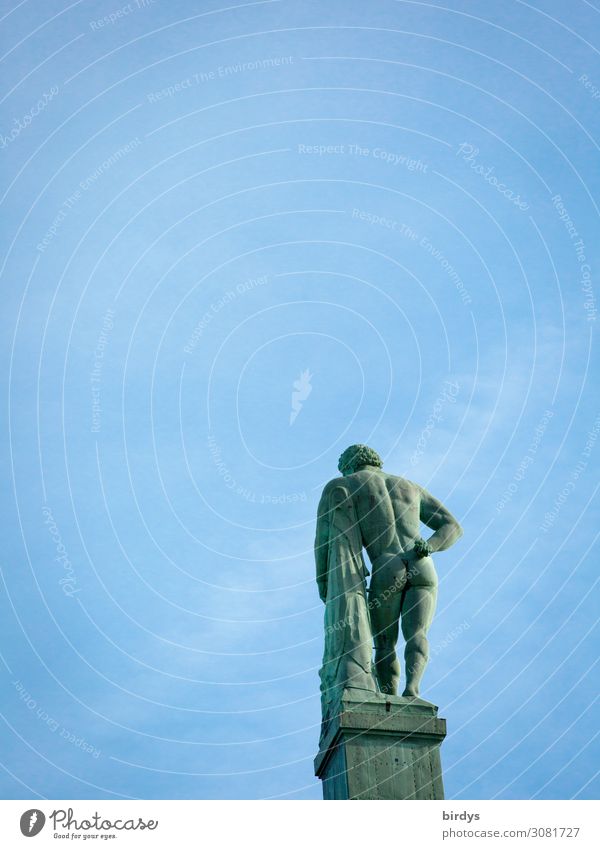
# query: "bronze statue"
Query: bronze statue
382,513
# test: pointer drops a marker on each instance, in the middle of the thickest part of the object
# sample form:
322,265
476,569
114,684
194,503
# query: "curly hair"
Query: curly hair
358,455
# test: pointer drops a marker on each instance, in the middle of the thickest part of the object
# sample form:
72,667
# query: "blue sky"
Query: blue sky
397,200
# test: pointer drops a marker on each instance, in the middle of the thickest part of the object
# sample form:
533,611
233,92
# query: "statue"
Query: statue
382,513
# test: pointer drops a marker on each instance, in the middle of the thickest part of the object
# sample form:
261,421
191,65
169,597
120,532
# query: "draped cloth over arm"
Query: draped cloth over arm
347,658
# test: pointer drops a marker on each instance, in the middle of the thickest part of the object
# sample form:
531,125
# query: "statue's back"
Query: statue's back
387,507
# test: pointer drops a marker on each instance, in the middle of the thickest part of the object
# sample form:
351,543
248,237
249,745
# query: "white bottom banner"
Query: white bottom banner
300,824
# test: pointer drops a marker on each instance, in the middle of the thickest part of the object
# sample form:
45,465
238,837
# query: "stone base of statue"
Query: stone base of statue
381,747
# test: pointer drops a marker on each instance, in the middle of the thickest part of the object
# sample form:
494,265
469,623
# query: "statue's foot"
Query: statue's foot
411,693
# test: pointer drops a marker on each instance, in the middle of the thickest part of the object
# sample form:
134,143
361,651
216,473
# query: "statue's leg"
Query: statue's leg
385,597
418,607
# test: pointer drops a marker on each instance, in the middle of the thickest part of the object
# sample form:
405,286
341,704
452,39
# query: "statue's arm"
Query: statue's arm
322,543
439,519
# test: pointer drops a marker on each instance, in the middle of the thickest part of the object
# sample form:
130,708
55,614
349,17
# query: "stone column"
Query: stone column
381,747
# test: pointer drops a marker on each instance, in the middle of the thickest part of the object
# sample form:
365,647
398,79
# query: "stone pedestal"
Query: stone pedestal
381,747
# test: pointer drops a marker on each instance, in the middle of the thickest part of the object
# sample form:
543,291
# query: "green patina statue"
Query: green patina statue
382,513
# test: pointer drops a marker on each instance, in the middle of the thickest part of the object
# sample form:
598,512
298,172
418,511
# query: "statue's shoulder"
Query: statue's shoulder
334,483
402,484
336,491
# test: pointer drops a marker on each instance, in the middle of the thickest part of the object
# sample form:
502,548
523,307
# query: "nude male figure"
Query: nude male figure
403,588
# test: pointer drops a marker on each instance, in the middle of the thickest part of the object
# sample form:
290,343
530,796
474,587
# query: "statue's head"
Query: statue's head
356,456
